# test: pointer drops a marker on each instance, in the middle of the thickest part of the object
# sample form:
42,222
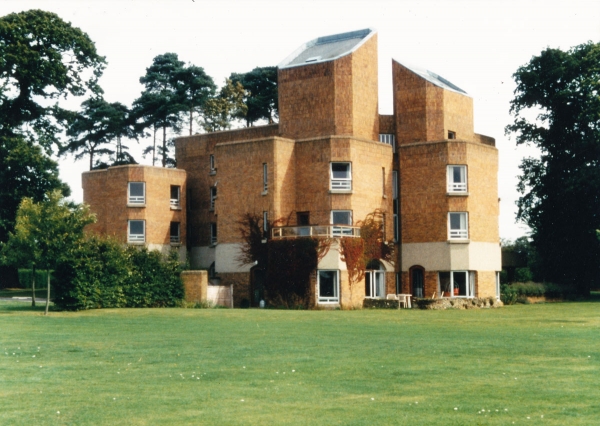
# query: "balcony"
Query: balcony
316,231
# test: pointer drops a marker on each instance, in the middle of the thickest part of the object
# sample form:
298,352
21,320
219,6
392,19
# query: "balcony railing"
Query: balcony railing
323,231
457,187
175,203
342,184
175,239
459,234
135,238
133,199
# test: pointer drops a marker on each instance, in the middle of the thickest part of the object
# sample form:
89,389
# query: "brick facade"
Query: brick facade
328,109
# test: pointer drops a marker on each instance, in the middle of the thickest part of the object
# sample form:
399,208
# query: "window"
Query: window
213,234
457,178
457,284
266,223
374,284
451,134
265,178
175,233
458,226
213,197
497,285
398,283
328,286
211,160
137,231
341,176
389,139
175,196
137,193
383,181
341,217
396,205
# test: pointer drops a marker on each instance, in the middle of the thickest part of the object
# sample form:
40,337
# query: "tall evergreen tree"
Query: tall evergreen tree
261,94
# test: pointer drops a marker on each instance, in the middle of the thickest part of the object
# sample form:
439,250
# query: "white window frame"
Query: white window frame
175,239
340,183
338,231
213,234
335,298
136,238
376,281
211,162
136,199
461,233
213,197
453,186
388,139
176,202
470,284
497,285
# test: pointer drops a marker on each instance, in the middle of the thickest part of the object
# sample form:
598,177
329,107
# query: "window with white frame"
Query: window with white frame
136,232
497,285
175,233
213,197
456,284
213,234
136,193
265,177
374,284
328,286
389,139
341,176
175,196
341,217
396,205
211,161
265,223
457,178
458,226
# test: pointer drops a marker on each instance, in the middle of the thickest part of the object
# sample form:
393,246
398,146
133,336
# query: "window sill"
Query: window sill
341,191
213,245
212,172
175,244
139,206
136,243
457,194
265,192
175,208
459,241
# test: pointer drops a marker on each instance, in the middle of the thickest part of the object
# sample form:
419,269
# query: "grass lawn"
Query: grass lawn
527,364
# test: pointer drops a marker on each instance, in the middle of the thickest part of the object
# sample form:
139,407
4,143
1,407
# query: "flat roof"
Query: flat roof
328,48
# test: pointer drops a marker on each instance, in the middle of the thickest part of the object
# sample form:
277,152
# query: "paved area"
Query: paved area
22,299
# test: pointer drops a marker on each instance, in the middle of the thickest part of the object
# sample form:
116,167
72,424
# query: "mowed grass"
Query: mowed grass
527,364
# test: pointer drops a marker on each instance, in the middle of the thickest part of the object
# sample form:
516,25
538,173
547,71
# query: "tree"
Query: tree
220,110
161,102
42,58
195,87
560,190
46,233
99,123
261,94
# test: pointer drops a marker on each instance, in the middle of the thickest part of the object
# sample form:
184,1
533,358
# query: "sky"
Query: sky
475,44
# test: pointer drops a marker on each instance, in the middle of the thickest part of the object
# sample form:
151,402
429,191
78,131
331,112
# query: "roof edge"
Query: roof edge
433,78
369,32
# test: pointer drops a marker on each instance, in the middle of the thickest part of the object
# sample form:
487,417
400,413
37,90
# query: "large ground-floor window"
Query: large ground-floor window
375,284
457,284
328,286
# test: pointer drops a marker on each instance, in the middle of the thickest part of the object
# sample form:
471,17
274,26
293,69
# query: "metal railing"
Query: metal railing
323,231
137,199
134,238
175,202
457,187
459,234
345,184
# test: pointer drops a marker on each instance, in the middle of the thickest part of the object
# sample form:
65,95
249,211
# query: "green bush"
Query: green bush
103,274
508,295
523,275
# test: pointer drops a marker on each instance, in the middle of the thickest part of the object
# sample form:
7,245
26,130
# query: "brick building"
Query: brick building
330,161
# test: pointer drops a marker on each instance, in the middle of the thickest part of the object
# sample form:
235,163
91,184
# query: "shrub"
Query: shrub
102,273
508,295
523,275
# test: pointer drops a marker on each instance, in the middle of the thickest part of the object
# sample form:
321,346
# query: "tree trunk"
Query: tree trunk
47,292
154,148
33,285
164,153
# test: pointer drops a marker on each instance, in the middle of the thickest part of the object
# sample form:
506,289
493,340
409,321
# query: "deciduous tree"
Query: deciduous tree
557,109
261,94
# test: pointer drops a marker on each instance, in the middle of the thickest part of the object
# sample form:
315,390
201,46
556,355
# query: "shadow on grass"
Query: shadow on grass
14,307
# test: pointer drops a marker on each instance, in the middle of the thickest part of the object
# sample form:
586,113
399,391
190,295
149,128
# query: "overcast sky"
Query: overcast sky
477,45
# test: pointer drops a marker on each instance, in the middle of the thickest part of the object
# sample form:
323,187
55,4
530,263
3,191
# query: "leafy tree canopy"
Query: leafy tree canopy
97,125
42,57
557,109
261,94
220,110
